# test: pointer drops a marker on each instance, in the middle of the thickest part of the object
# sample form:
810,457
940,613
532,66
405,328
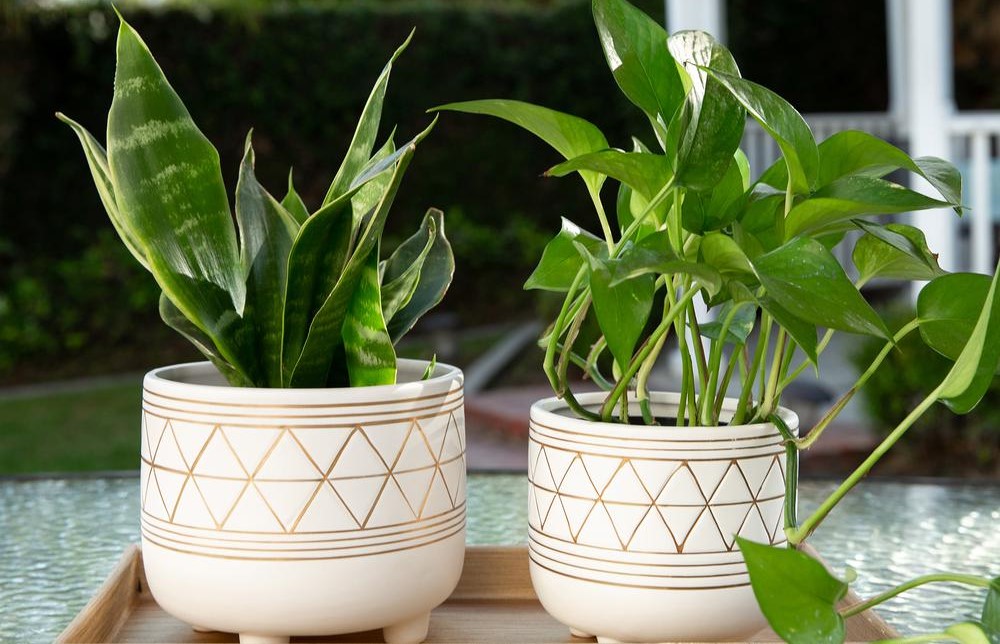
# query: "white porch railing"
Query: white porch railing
975,149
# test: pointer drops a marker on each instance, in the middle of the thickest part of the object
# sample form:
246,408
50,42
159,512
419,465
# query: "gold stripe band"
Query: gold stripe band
366,423
644,587
620,562
587,545
405,411
394,401
658,460
773,434
535,551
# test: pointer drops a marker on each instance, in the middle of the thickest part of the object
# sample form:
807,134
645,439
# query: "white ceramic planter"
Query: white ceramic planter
632,528
271,513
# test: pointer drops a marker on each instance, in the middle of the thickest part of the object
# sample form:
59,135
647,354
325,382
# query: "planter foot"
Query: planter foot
575,632
607,640
250,638
411,631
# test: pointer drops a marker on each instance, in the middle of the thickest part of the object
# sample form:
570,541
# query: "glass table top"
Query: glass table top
59,539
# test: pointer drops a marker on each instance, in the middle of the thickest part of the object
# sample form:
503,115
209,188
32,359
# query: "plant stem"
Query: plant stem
727,377
628,373
634,226
799,534
714,362
699,349
791,472
802,365
595,197
755,363
549,366
571,335
591,364
968,580
834,411
771,389
593,373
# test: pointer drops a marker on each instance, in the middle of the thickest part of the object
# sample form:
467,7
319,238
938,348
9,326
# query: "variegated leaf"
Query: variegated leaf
371,359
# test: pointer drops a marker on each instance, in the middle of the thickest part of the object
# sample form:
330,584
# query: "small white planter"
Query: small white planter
279,512
632,528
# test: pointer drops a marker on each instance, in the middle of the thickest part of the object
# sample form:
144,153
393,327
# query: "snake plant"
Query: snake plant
286,297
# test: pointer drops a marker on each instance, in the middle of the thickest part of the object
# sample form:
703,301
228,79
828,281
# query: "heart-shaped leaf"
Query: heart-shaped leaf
802,332
714,209
713,119
849,197
571,136
805,278
797,595
991,612
722,252
894,251
561,261
635,47
739,329
785,125
652,255
645,173
948,308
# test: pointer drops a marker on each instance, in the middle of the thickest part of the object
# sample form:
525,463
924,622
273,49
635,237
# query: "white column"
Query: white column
896,59
707,15
929,108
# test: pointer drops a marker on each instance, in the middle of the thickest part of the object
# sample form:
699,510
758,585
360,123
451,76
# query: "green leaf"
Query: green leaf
803,333
173,318
704,211
853,152
895,251
371,359
363,141
991,612
973,371
948,308
97,159
635,47
785,125
169,190
400,274
722,252
712,119
293,203
968,633
267,231
739,329
622,309
561,261
805,278
369,192
652,255
645,173
849,197
796,593
571,136
312,365
435,277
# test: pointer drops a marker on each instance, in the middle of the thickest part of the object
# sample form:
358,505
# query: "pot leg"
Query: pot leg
201,629
607,640
411,631
575,632
250,638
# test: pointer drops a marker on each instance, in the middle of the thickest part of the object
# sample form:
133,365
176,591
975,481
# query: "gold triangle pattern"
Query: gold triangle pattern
655,505
302,480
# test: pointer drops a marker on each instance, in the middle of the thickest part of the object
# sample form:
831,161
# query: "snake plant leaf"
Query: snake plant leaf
267,232
851,196
293,203
312,364
645,173
785,125
360,149
797,595
713,120
400,274
974,368
622,309
367,196
991,611
968,633
175,319
560,259
97,159
435,278
948,308
635,47
805,278
739,329
168,187
707,210
653,255
571,136
371,359
853,152
894,251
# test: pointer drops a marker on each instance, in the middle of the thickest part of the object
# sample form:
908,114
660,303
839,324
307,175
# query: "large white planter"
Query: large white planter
632,528
270,512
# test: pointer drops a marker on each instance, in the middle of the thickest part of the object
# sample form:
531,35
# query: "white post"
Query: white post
707,15
929,108
896,53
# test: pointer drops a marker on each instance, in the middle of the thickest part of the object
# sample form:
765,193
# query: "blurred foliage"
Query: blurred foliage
942,443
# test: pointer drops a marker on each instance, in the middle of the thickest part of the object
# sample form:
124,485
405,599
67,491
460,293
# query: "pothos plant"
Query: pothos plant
289,297
690,222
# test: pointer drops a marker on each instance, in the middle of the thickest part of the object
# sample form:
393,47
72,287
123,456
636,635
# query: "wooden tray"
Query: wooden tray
494,602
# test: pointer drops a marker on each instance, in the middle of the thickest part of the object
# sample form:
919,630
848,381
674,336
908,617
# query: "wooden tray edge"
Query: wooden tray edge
110,607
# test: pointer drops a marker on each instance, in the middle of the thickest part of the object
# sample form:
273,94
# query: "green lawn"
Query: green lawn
97,429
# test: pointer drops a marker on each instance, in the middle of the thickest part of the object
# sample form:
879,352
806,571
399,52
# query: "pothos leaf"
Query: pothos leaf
561,261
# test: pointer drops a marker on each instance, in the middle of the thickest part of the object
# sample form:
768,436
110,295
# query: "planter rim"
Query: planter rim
547,412
177,380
